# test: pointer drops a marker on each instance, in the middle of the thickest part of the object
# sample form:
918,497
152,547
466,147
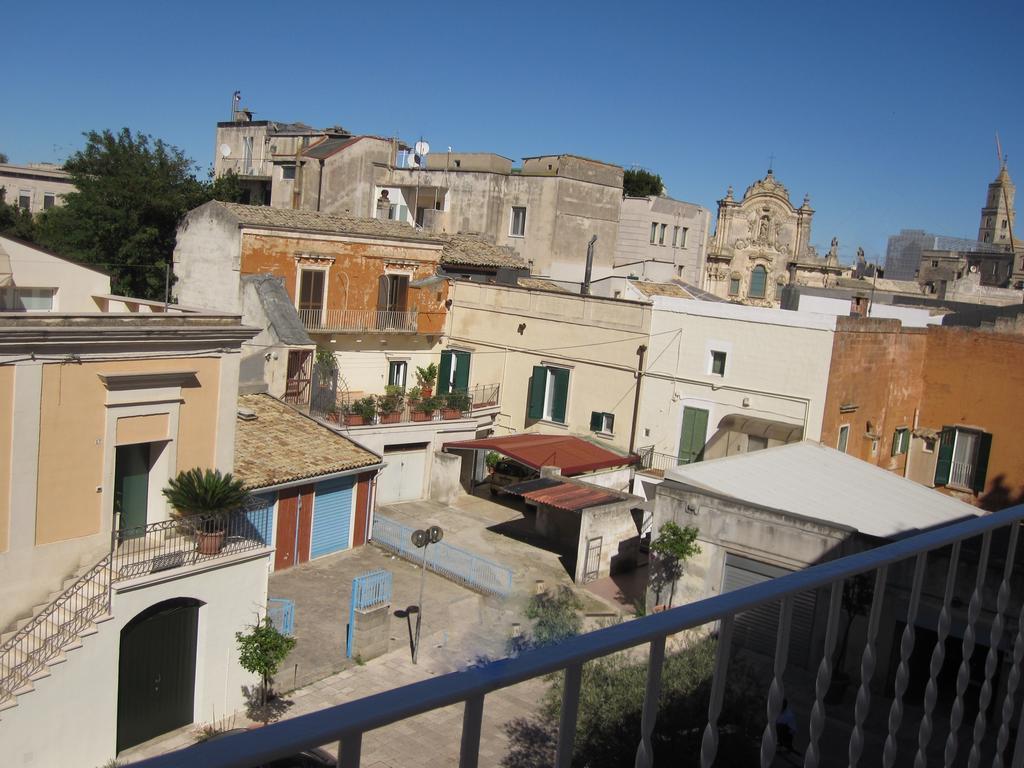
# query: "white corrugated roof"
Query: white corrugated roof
814,481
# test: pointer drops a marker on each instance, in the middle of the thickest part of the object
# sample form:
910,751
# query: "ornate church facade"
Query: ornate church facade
761,243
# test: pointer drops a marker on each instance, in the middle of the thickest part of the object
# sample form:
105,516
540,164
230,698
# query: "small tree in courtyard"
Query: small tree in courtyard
556,617
261,651
672,548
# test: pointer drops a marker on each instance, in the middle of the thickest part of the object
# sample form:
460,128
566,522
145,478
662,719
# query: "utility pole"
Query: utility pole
421,539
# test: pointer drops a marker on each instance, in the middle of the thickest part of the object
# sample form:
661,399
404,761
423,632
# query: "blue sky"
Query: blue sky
884,112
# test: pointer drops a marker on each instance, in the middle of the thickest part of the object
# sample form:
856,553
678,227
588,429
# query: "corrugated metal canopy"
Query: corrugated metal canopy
570,454
571,497
749,425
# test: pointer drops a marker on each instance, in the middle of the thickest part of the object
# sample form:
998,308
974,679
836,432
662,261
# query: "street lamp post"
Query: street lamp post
421,539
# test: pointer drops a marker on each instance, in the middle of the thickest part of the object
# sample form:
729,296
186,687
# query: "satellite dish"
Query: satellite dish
412,161
422,148
225,150
974,267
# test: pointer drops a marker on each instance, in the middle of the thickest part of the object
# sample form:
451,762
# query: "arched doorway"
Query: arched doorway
157,671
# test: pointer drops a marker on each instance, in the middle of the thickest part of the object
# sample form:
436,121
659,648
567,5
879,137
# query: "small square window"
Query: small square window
603,423
928,445
25,200
517,225
900,441
49,200
718,363
397,372
734,286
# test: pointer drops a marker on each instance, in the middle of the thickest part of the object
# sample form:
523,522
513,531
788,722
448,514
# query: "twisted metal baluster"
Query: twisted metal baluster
644,750
709,742
1012,681
867,669
777,688
963,675
931,692
992,659
824,678
903,671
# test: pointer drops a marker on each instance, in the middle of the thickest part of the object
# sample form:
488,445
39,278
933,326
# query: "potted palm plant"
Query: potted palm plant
426,377
389,405
205,500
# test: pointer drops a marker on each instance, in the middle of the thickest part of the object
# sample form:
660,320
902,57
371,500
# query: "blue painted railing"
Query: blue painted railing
282,614
451,562
368,591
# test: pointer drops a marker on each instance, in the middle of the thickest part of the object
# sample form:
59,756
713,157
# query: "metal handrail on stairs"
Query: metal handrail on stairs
32,647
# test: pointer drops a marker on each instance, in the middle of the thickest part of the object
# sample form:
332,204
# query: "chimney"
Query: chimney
585,288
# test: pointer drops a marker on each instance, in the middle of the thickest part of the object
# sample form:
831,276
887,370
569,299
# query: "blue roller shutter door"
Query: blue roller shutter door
261,516
332,516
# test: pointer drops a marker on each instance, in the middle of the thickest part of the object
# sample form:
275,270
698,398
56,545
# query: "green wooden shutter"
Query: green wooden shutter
945,459
596,421
538,383
560,396
694,433
462,371
981,462
444,376
382,293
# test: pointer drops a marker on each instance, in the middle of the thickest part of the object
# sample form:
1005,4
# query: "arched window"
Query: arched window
758,282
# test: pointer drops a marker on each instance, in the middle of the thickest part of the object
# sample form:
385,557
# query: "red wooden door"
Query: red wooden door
305,521
287,527
359,534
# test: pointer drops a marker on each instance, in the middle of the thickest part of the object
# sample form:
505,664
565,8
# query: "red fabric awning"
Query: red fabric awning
570,454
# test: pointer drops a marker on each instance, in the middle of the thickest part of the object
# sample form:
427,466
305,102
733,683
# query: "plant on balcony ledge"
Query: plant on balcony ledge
389,405
424,409
360,412
456,403
426,377
205,499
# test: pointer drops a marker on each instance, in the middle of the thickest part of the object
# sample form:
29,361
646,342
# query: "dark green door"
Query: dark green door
157,672
453,375
131,488
693,436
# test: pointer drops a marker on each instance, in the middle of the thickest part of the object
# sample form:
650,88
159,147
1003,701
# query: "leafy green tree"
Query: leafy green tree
555,615
131,191
261,651
15,221
3,158
611,708
636,182
672,548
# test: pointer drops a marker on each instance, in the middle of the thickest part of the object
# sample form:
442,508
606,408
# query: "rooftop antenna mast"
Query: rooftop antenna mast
236,99
999,153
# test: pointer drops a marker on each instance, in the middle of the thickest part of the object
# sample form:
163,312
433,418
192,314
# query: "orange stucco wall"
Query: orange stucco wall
6,417
352,278
72,431
951,376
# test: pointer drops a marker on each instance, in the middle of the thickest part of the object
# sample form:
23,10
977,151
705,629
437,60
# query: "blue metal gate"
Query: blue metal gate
369,590
282,614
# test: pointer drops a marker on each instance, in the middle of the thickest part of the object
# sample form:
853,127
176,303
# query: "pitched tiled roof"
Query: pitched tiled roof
313,221
540,284
282,445
474,251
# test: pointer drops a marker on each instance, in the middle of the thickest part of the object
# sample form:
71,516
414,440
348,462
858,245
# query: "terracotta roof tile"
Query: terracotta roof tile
313,221
282,445
474,251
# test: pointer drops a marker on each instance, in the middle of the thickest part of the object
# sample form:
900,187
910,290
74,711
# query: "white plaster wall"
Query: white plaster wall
777,361
70,719
76,285
911,317
617,478
207,260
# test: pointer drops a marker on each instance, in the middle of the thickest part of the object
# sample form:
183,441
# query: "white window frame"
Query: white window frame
549,392
512,221
298,287
399,365
606,427
843,442
711,362
12,297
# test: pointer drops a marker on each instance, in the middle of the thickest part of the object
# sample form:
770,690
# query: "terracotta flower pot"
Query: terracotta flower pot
422,415
390,418
450,413
353,420
209,542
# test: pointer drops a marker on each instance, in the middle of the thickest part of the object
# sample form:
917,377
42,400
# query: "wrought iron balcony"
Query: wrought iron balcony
359,320
983,736
438,408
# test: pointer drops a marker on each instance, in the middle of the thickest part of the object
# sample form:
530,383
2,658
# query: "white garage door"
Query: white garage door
402,478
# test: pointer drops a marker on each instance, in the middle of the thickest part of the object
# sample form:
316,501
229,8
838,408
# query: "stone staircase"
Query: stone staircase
37,643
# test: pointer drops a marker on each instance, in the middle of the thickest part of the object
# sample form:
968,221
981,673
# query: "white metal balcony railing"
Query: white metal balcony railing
346,723
359,320
961,474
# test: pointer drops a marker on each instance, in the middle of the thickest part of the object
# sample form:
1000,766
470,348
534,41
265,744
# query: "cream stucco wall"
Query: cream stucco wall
79,699
75,285
596,339
777,365
6,431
